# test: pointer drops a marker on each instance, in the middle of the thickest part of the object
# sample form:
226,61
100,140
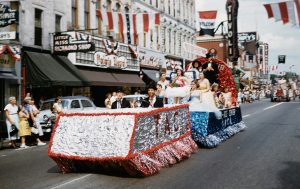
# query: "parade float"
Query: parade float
209,130
137,141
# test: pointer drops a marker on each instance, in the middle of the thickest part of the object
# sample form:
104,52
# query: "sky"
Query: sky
282,39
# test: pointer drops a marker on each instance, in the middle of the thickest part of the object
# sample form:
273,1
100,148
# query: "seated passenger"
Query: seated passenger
152,100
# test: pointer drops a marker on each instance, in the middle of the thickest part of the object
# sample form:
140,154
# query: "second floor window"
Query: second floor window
57,23
74,14
38,32
86,14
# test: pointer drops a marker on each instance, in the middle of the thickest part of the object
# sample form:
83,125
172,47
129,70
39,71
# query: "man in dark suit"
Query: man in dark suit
152,101
120,102
211,70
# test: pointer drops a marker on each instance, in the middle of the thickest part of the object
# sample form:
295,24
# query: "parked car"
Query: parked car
69,103
135,100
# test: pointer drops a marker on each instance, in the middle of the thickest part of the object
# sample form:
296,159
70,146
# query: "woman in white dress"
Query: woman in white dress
12,118
227,97
179,88
207,95
202,98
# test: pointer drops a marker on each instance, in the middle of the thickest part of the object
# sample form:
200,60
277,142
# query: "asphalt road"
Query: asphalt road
265,155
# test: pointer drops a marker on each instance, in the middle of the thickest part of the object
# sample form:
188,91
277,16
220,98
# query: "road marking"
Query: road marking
246,115
273,106
18,149
63,184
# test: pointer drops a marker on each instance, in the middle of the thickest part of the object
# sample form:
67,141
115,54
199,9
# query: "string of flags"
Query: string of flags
287,11
129,25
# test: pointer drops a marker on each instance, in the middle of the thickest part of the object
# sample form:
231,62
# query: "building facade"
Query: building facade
163,47
177,27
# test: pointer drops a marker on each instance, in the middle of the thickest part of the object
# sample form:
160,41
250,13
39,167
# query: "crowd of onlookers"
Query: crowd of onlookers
21,122
250,95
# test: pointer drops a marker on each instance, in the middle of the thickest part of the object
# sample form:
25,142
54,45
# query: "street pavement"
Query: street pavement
265,155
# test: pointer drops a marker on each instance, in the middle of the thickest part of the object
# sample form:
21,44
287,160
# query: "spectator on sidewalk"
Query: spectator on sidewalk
24,126
36,127
12,119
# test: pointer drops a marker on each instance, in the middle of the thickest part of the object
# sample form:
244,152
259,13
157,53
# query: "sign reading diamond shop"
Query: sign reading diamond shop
7,16
65,43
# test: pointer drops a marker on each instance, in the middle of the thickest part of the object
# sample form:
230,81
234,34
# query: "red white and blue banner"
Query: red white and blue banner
207,22
287,11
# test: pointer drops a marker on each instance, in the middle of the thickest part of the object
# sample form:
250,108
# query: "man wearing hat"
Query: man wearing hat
210,70
152,100
120,102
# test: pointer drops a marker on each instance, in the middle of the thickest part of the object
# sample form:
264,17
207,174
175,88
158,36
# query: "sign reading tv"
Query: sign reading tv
64,43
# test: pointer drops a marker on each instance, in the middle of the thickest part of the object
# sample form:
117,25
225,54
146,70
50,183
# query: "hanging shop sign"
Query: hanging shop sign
7,35
150,59
281,59
232,14
7,16
64,43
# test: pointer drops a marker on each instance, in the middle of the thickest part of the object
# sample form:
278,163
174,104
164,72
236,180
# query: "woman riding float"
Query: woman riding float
179,88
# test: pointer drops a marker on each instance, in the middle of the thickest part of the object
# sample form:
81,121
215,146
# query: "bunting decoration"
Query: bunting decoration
128,25
297,3
274,67
14,51
207,22
284,11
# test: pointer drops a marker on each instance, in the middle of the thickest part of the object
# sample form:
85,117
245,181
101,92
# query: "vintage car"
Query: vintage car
278,94
69,103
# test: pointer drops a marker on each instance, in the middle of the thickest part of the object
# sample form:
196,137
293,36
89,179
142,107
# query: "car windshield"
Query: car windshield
47,105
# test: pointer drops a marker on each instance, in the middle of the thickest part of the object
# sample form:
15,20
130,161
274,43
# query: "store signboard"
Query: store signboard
7,35
7,16
109,61
247,36
64,43
150,59
107,54
232,14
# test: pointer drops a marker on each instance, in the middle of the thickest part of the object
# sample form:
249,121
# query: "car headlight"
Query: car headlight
45,118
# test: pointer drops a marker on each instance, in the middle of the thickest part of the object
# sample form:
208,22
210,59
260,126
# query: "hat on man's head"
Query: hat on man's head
151,86
209,55
119,90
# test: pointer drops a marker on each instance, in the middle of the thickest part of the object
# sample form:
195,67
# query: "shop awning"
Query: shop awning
44,70
129,79
5,75
100,78
152,74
